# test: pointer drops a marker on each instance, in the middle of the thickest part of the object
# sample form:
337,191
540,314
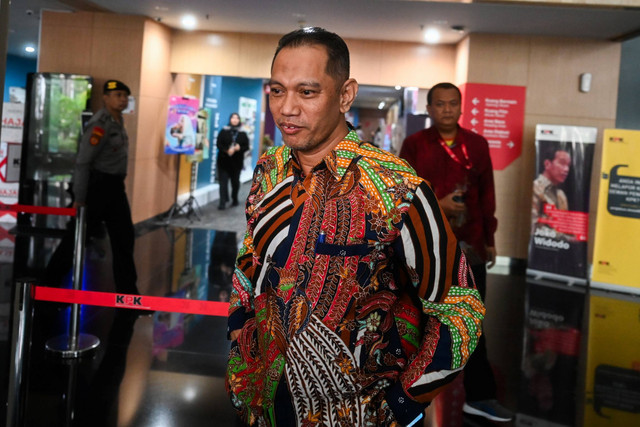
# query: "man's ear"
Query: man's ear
348,94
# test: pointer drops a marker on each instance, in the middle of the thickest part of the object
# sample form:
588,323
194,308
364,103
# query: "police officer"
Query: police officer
100,170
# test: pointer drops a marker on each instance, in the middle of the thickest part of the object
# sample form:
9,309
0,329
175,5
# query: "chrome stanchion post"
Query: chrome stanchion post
78,259
20,342
75,344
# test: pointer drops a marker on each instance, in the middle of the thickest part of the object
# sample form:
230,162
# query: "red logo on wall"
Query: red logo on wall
497,113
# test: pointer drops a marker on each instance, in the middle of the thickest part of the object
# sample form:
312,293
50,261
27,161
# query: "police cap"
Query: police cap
110,85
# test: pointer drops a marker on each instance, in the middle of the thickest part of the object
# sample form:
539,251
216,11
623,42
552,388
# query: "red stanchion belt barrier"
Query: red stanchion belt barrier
46,210
139,302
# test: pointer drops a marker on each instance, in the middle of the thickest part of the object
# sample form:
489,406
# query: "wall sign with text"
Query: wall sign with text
497,113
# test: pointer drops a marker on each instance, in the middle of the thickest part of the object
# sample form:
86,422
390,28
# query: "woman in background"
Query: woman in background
232,144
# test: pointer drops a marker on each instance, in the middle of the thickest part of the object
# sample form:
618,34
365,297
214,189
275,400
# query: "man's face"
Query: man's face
557,169
116,100
445,108
306,103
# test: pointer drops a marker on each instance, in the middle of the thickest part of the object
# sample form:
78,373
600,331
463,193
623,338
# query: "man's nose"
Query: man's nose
289,106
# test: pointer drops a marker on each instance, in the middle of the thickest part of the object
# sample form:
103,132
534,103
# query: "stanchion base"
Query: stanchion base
61,345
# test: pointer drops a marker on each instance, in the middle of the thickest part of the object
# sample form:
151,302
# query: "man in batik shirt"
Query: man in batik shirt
352,304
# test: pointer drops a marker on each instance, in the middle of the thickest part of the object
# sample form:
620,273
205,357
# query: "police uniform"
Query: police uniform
100,171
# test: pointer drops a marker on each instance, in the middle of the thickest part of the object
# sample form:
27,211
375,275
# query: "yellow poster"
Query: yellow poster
615,257
613,363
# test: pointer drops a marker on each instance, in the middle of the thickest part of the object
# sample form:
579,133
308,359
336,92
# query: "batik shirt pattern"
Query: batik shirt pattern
349,284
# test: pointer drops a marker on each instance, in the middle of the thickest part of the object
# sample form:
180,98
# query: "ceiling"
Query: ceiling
398,20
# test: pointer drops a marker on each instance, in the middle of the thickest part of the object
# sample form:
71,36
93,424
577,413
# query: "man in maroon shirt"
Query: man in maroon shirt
456,162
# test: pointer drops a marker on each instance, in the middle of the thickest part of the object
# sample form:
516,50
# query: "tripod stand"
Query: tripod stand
190,207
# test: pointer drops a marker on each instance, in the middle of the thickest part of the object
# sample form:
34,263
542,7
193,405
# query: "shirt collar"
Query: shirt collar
546,183
338,160
435,134
341,157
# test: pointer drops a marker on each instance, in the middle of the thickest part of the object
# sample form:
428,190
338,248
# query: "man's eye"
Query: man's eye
307,92
275,91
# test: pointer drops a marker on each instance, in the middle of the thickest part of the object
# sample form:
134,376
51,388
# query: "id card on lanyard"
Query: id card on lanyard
467,162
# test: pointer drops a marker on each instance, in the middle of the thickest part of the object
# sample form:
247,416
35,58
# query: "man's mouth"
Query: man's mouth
289,128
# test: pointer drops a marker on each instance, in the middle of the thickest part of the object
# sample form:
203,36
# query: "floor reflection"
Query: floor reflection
148,370
561,355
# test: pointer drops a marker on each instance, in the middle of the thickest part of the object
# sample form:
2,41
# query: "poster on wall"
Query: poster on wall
248,112
616,244
497,113
201,151
560,202
10,154
182,123
12,122
613,363
549,368
212,97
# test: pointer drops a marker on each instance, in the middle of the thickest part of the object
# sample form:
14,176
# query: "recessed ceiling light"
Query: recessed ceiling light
189,22
381,105
29,49
432,35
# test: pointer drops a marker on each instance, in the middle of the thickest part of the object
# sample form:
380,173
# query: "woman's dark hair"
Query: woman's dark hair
337,50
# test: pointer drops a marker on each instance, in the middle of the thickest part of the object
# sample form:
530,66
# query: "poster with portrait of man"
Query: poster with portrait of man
560,202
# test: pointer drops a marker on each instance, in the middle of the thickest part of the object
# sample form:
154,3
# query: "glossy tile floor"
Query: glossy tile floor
167,369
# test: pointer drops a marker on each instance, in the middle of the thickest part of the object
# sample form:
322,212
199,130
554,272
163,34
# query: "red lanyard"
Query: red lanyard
467,165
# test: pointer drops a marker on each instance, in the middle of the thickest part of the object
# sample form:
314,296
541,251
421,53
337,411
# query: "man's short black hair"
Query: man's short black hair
444,85
549,152
337,50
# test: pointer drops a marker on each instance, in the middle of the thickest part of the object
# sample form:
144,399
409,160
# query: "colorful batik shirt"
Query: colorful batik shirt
352,295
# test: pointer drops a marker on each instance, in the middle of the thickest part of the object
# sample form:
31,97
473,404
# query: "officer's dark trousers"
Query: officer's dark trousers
479,383
106,202
229,175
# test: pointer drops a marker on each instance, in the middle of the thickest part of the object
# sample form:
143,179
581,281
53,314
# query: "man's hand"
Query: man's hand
451,207
234,334
491,256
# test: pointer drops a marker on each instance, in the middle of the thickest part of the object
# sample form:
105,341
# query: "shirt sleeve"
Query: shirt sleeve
243,140
437,275
90,145
487,194
241,307
224,141
407,152
241,299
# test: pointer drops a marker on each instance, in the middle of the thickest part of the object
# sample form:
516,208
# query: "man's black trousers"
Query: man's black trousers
106,203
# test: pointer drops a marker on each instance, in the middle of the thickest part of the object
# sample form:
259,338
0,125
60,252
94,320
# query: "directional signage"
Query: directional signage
497,113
